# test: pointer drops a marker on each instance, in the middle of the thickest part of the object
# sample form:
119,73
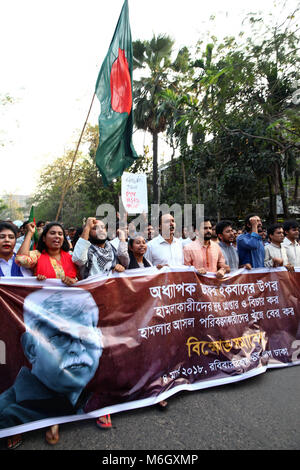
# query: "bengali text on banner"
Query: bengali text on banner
136,338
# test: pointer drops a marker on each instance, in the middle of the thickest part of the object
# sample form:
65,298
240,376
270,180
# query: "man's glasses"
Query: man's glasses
91,338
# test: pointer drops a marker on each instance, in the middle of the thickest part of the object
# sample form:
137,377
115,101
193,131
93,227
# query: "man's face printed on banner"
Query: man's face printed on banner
62,340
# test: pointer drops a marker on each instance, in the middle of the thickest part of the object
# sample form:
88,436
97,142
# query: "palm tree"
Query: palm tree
155,57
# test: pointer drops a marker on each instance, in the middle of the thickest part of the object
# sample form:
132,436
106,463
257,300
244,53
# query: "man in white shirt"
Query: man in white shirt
275,252
165,249
94,254
291,231
188,235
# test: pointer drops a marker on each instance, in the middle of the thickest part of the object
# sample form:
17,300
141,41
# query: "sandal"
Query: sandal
104,422
14,441
52,435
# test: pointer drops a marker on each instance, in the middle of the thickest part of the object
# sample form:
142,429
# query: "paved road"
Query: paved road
262,412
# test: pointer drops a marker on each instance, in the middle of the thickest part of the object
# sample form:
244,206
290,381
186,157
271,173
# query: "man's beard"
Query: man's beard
207,236
97,241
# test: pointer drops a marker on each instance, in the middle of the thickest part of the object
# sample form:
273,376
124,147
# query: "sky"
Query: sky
51,55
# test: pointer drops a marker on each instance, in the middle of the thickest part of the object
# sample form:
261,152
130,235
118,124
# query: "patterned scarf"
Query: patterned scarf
106,258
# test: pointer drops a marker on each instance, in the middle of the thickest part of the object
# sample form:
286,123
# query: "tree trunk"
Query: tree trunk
184,182
282,193
296,187
155,167
272,201
198,188
172,161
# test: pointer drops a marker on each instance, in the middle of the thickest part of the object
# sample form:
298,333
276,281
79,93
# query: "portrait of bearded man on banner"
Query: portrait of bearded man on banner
64,345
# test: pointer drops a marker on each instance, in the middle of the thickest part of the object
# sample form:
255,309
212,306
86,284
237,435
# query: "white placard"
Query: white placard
134,193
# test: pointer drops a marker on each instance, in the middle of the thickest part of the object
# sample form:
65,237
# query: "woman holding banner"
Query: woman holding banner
50,260
137,247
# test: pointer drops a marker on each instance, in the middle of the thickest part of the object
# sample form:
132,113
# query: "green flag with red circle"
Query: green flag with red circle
115,150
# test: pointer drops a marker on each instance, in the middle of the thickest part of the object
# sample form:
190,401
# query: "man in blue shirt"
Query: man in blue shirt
225,236
250,245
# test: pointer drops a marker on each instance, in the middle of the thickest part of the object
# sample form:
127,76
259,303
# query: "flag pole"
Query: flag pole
66,186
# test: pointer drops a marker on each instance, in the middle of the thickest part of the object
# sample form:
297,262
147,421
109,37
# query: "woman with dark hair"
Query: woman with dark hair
137,248
8,237
76,237
51,258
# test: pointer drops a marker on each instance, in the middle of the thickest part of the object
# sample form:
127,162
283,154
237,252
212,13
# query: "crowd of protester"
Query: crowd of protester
72,253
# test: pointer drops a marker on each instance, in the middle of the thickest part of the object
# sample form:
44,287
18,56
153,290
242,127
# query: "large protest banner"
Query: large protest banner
136,338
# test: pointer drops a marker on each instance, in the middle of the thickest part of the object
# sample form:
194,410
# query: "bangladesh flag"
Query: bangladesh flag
36,235
115,151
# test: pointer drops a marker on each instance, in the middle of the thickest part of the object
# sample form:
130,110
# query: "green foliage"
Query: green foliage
236,125
151,112
230,114
86,190
5,99
3,208
10,209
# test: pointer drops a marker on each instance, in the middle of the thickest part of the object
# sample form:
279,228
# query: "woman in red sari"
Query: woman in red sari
50,260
